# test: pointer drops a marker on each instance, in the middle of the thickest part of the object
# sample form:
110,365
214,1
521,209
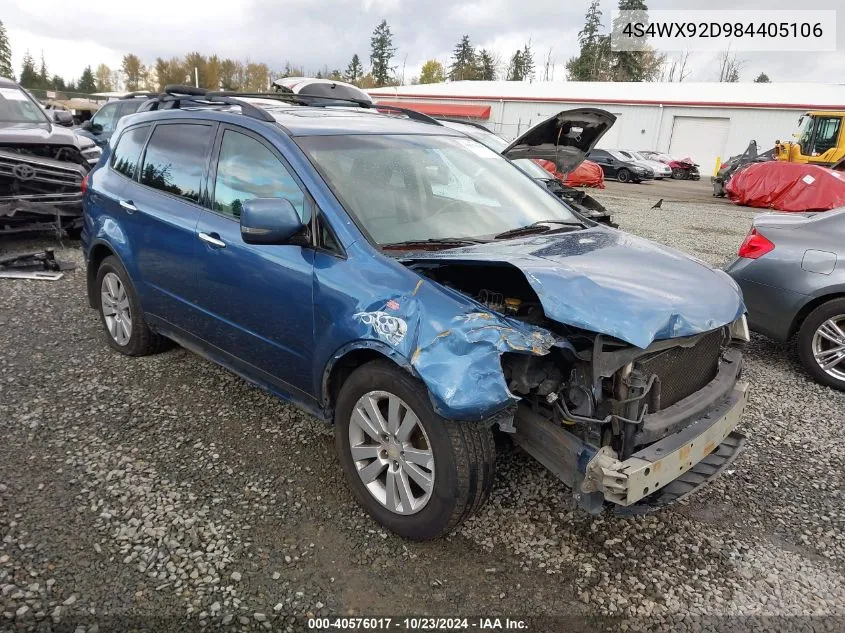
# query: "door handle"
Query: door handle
129,206
212,239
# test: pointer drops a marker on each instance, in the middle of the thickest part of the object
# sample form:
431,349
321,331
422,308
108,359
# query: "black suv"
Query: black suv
42,166
100,127
616,166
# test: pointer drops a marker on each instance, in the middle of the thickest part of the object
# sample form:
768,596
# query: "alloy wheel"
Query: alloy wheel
115,307
391,452
829,347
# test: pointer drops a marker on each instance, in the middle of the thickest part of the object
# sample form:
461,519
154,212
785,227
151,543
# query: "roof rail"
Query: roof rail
174,95
140,93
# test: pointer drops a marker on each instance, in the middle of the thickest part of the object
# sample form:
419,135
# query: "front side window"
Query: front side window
417,187
248,169
175,159
827,132
105,119
128,151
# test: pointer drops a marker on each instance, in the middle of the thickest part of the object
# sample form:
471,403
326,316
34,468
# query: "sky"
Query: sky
314,33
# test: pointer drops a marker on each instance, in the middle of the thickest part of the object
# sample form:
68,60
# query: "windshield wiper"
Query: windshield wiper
541,226
446,241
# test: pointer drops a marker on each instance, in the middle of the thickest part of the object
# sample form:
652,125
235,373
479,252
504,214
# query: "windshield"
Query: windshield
412,187
16,107
805,132
486,137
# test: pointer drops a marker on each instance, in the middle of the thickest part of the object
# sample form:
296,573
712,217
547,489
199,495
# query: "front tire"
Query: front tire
120,311
678,173
821,344
416,473
623,175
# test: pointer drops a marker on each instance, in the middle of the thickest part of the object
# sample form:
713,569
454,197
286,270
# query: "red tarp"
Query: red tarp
787,187
587,174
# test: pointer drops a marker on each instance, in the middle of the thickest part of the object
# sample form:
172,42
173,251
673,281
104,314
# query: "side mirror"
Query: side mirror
610,161
271,221
88,126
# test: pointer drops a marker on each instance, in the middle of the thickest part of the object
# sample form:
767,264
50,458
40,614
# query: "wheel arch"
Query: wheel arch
349,358
99,251
808,307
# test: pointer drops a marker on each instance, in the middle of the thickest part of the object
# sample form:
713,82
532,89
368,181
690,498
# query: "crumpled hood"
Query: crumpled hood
613,283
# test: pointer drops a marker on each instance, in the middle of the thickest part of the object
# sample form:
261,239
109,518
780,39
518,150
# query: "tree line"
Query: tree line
595,61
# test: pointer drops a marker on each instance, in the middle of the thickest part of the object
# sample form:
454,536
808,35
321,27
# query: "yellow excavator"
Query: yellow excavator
820,140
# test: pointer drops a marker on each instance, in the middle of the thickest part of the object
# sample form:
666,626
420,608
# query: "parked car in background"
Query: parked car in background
615,165
579,200
661,170
42,166
100,127
416,289
791,268
682,168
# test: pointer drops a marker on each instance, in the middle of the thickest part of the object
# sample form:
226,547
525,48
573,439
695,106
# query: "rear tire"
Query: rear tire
120,312
462,454
623,175
815,344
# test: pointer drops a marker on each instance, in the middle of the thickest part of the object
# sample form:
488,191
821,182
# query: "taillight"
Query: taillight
85,183
755,245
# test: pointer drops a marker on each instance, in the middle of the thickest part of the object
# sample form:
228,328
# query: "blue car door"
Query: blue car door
162,205
256,299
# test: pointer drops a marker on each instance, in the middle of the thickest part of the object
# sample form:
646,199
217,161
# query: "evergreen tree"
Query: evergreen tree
527,62
87,83
592,62
57,83
643,64
6,69
29,76
515,67
43,75
354,71
486,65
381,52
762,78
464,63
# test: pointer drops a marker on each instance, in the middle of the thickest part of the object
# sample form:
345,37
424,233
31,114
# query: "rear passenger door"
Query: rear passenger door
161,207
257,299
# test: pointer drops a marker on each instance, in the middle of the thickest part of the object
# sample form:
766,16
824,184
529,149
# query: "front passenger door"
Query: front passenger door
257,299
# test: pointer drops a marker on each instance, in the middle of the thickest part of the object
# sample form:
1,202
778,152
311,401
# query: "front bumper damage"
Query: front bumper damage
659,464
682,447
39,193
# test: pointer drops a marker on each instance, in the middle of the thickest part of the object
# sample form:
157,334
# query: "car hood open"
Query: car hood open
564,138
612,283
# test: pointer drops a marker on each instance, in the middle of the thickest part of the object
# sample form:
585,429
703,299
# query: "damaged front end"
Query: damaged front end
41,187
634,426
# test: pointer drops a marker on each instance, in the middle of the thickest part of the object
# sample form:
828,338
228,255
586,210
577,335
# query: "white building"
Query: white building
701,120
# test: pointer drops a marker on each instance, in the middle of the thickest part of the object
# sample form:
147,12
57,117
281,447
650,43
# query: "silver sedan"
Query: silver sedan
791,268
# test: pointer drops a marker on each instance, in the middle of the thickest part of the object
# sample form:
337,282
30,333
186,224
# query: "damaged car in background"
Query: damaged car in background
539,144
419,291
42,166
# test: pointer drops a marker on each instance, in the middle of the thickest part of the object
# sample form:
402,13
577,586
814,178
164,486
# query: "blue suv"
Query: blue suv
418,291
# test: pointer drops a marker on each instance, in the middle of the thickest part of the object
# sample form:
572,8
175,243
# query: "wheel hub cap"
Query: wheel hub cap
115,306
391,452
829,347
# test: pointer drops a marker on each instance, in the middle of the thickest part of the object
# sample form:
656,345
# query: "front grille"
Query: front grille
24,174
683,370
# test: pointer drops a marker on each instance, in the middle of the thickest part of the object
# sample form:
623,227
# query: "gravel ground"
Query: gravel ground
165,494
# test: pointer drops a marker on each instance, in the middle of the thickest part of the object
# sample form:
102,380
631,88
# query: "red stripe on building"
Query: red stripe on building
712,104
443,109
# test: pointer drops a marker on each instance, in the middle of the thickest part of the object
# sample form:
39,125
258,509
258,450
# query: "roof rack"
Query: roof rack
175,95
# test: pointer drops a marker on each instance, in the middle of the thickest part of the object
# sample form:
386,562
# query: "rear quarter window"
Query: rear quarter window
128,151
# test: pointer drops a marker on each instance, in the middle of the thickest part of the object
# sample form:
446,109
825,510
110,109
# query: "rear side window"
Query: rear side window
247,169
128,151
175,159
